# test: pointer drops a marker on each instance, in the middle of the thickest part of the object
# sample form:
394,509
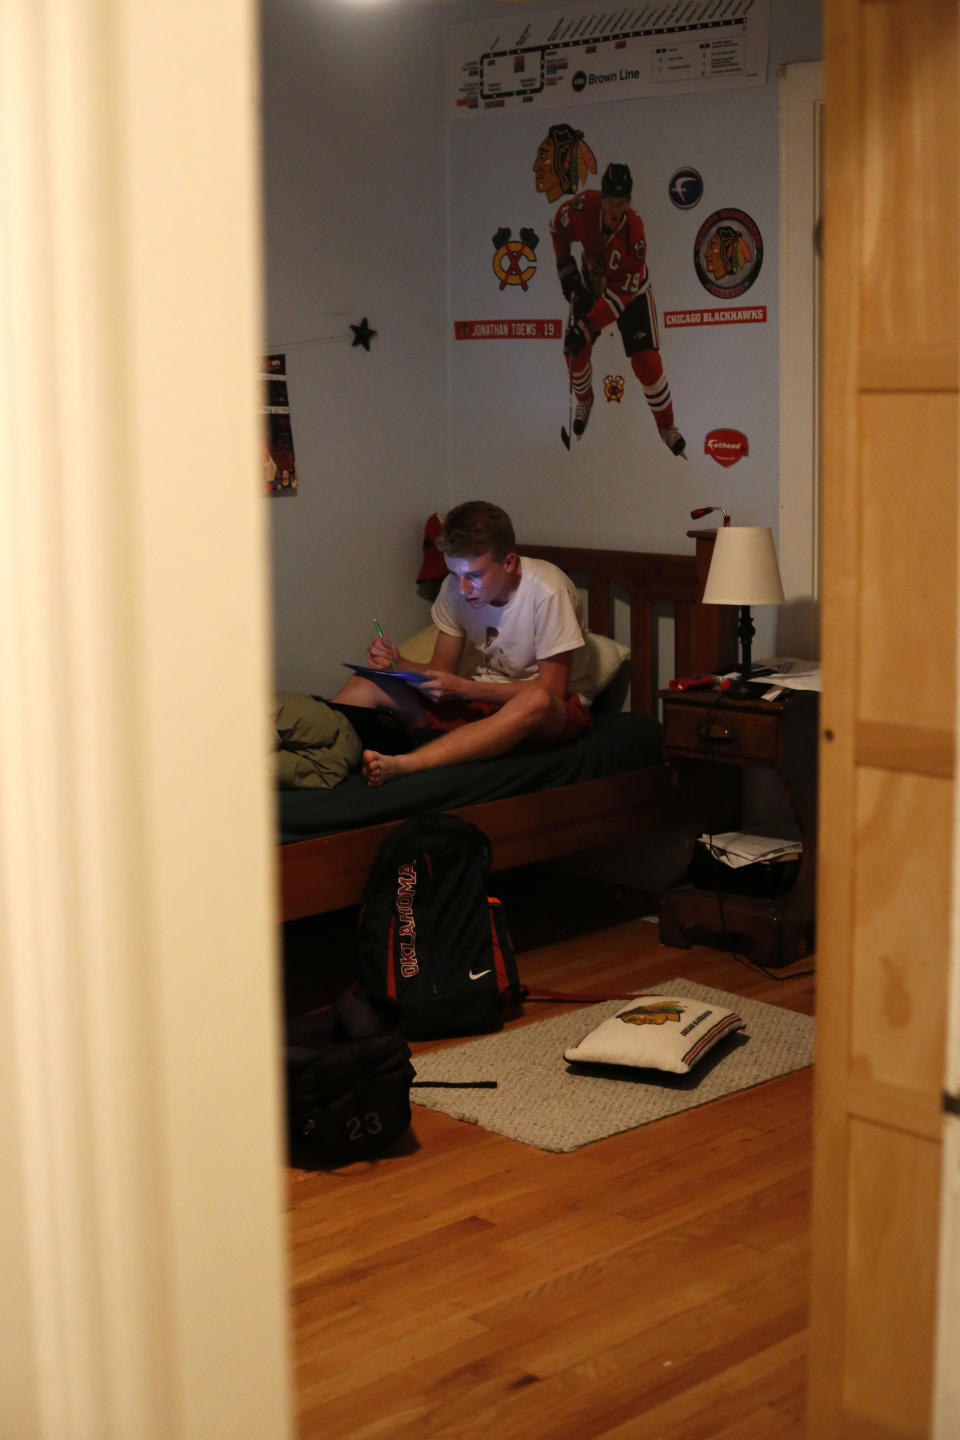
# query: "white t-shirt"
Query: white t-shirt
543,617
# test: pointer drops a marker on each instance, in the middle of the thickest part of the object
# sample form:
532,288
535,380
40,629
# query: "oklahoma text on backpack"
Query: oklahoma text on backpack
430,937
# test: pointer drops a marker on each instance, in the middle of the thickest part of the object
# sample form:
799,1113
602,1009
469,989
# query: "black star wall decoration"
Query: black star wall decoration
362,334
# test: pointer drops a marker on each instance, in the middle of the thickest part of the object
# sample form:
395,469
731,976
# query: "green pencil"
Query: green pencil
376,622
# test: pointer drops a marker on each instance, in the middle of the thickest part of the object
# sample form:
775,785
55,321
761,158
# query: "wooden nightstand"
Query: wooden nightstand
705,736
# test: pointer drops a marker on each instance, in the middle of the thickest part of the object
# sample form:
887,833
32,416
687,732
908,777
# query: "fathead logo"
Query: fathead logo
726,446
406,890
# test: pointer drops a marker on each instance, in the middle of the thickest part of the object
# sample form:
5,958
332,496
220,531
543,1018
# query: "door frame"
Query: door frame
801,131
142,1275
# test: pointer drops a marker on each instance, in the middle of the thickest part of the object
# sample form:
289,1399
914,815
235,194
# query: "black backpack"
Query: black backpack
348,1076
430,937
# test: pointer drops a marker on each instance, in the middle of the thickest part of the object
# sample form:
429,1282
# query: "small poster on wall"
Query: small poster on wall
279,464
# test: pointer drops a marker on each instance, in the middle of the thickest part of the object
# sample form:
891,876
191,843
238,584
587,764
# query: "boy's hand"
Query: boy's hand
382,654
442,685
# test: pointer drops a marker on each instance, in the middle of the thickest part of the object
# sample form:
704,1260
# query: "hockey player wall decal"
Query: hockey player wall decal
611,284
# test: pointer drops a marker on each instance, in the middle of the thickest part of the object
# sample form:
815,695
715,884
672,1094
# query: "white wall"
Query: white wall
364,174
354,217
619,482
619,485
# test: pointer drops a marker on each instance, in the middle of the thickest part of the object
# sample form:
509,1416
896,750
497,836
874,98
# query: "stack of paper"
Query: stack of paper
787,674
737,847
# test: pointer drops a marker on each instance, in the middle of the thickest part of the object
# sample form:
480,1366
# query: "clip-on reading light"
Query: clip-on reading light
708,510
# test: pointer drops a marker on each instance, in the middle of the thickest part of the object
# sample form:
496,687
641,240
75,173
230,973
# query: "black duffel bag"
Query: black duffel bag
348,1075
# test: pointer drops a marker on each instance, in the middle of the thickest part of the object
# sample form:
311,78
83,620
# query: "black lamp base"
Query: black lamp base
741,688
744,688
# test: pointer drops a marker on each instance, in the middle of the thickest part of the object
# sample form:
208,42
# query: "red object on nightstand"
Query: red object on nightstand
699,682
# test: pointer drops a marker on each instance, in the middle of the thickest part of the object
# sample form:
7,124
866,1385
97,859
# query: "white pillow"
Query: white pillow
657,1032
419,647
604,656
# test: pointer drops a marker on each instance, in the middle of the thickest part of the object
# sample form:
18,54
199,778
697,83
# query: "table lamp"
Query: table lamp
744,572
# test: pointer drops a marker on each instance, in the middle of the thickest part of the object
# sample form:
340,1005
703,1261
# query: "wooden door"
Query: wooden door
887,745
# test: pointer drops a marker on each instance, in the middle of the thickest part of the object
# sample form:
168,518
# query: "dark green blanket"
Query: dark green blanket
617,743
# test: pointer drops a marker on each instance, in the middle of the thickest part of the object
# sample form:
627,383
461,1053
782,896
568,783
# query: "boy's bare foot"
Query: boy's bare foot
378,769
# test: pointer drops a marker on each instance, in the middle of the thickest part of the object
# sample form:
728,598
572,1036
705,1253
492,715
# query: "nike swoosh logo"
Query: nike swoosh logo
479,975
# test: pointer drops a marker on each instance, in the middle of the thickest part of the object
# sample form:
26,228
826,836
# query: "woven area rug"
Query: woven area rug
543,1101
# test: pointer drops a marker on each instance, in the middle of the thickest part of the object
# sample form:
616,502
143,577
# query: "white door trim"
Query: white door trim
142,1288
801,110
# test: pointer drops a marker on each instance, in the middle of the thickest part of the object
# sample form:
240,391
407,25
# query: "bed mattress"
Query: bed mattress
617,743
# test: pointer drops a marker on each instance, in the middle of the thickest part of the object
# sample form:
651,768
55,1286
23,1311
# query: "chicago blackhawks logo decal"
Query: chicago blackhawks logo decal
563,162
657,1014
515,261
728,253
613,388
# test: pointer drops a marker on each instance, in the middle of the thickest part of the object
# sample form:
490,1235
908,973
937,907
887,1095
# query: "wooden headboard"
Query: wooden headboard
705,639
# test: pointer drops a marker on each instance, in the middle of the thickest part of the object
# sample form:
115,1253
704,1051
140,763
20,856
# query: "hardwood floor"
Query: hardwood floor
652,1286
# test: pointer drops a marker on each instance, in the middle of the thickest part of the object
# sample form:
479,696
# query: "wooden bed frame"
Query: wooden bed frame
328,873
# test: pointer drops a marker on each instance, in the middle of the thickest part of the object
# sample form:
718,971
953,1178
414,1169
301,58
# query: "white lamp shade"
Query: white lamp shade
744,569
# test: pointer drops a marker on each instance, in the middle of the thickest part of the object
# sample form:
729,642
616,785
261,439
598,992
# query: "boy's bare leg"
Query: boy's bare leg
534,713
388,694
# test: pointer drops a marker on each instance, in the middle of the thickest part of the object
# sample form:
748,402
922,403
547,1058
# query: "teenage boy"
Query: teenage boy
523,616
